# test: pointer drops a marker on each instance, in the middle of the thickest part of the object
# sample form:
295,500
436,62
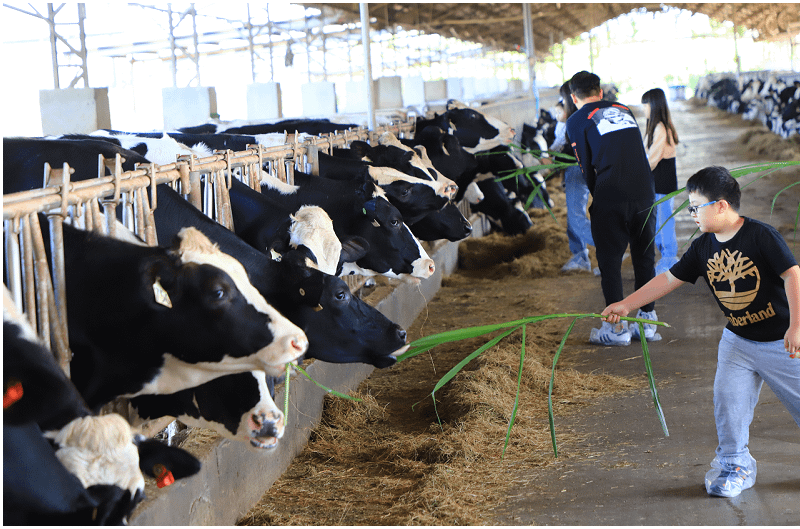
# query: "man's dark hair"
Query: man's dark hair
584,84
716,183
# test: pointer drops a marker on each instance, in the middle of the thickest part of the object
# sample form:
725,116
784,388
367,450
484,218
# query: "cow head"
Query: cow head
393,248
446,223
476,131
208,292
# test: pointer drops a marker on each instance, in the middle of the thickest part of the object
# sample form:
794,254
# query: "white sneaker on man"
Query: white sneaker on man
609,334
578,261
650,333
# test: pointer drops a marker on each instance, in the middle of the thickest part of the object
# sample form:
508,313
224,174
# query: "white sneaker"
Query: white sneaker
650,333
609,334
578,261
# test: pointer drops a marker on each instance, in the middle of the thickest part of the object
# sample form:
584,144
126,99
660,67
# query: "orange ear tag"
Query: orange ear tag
12,395
164,477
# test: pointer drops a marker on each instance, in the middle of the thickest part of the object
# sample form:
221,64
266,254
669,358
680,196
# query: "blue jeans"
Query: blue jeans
666,241
742,367
579,230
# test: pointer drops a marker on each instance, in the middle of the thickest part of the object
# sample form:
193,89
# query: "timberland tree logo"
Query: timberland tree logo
735,281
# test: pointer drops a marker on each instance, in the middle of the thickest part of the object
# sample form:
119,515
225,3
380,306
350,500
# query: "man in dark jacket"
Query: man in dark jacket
608,144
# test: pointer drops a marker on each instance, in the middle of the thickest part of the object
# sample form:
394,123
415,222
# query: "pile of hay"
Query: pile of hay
368,464
760,143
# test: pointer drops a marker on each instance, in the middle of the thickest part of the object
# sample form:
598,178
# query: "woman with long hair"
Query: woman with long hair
660,140
579,230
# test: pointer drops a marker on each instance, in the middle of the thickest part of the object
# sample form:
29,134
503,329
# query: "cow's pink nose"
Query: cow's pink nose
432,267
299,344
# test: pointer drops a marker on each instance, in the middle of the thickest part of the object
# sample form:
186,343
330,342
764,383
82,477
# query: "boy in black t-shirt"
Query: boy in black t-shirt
756,282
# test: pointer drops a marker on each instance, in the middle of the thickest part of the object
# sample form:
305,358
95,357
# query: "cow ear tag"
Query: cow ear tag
164,477
162,298
12,395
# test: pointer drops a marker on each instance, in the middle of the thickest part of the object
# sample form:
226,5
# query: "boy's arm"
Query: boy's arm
656,288
791,340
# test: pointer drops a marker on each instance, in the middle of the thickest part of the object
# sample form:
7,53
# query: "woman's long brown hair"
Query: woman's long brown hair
659,113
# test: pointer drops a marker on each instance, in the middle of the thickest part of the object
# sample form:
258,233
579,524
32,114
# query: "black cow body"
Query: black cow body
24,158
308,126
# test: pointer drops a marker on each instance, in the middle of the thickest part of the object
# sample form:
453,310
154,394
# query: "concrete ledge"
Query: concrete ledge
234,475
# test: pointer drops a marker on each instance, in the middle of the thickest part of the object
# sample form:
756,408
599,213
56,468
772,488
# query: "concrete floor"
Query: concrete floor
635,474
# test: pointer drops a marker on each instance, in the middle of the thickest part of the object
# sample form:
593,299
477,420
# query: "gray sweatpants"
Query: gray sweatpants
742,367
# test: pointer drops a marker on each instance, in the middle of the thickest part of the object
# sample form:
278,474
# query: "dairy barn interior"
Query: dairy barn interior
143,68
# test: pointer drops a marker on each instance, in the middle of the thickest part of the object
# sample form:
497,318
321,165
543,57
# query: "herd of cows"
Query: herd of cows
200,327
773,101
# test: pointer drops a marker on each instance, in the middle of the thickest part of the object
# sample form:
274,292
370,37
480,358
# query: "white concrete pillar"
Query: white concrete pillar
264,101
413,89
455,90
389,91
74,110
436,90
185,107
319,99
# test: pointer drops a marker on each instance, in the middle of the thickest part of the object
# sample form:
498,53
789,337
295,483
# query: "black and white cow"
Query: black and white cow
146,320
204,144
445,223
92,471
309,126
159,148
359,209
24,158
345,330
271,227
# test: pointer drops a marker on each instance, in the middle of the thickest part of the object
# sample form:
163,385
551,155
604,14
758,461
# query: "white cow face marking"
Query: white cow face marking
313,228
290,341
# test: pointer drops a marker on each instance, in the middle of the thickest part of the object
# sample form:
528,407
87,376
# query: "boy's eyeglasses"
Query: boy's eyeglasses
693,209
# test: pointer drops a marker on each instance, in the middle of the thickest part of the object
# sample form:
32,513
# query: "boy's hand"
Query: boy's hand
614,312
791,342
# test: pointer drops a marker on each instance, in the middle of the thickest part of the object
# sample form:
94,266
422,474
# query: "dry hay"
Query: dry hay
762,144
363,466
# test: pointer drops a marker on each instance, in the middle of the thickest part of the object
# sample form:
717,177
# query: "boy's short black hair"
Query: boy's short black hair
716,183
584,84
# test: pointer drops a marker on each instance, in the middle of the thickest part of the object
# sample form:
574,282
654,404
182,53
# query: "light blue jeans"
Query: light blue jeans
742,367
666,241
579,229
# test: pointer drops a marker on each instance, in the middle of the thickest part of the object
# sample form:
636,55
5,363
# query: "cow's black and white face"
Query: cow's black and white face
312,227
229,327
393,248
351,330
475,131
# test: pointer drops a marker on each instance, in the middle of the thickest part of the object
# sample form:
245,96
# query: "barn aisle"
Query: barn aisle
635,475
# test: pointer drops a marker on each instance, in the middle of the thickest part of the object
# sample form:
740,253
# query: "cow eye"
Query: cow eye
395,223
405,192
341,295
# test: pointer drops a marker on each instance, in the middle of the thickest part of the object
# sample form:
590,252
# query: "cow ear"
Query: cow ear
158,278
361,147
353,249
155,456
369,208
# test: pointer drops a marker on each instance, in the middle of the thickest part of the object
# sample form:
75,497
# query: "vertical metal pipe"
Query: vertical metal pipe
365,43
83,52
251,45
51,19
269,30
530,51
196,46
174,57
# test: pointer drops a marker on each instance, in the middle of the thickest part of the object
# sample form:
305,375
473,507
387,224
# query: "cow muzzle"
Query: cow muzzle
266,428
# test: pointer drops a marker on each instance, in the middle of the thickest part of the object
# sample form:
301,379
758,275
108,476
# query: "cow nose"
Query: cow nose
401,334
299,344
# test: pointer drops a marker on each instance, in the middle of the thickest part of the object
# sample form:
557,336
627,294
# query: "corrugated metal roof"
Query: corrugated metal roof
500,24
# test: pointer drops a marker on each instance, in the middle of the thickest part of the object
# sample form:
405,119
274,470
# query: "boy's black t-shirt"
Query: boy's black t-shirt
609,147
744,276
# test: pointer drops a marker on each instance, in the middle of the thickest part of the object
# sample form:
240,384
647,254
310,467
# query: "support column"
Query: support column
365,43
530,51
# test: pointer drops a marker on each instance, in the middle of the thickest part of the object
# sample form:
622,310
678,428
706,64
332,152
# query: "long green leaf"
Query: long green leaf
516,397
327,390
550,416
651,380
